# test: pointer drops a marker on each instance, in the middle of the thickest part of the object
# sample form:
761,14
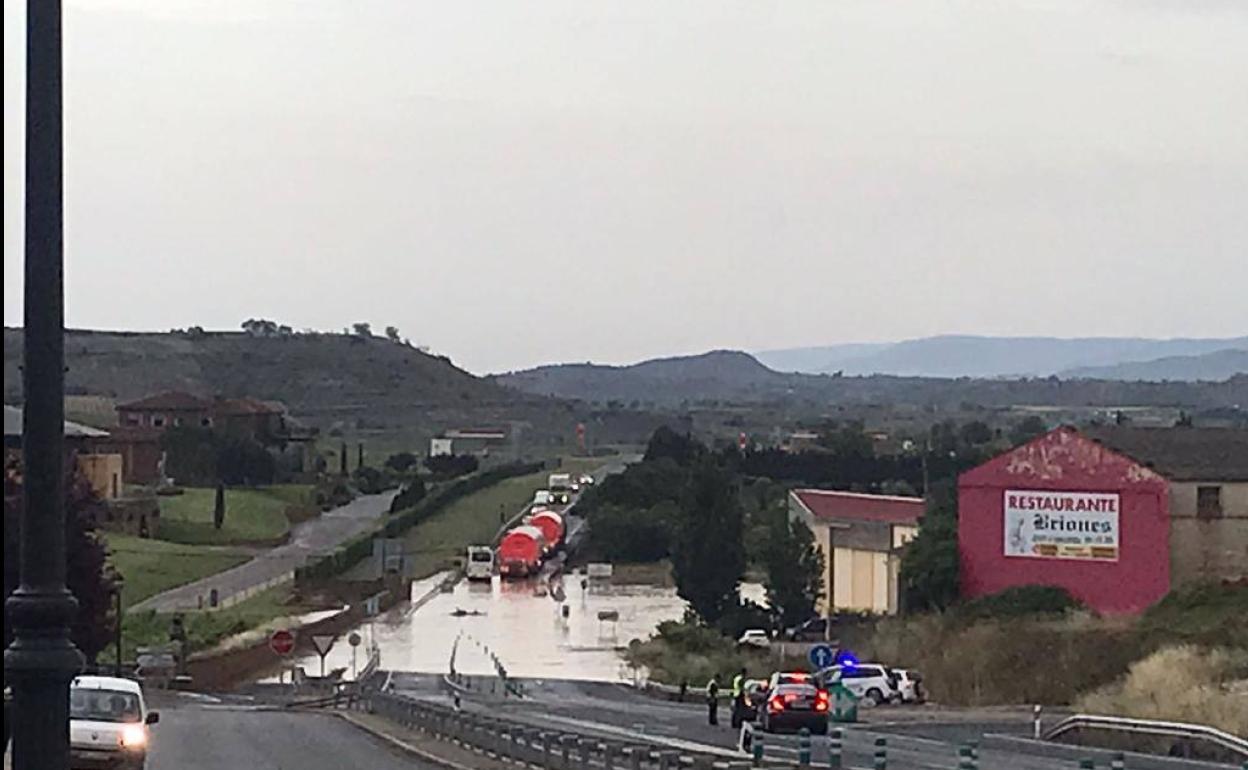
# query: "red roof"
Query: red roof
830,504
171,400
245,405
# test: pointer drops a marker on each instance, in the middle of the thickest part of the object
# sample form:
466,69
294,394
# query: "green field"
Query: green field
152,566
207,629
251,515
436,543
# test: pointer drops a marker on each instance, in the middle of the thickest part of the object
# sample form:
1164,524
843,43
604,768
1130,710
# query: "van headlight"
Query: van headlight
133,737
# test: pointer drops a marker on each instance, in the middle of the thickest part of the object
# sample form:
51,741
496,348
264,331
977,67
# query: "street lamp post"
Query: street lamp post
42,660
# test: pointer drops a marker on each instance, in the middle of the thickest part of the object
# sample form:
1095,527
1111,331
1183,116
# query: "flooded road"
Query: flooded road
520,623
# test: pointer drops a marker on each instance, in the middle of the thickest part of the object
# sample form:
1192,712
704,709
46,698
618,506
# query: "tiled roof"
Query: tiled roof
245,405
13,426
172,400
1180,454
831,505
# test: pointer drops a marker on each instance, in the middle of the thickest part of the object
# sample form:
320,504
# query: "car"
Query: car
871,682
794,701
586,480
755,637
910,685
813,630
108,723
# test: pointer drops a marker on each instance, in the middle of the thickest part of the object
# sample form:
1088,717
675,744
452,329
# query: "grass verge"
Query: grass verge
152,566
436,543
251,515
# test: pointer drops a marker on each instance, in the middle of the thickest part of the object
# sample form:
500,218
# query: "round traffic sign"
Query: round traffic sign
282,642
821,656
354,639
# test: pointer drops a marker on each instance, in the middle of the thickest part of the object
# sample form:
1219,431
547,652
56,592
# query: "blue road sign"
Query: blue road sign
821,656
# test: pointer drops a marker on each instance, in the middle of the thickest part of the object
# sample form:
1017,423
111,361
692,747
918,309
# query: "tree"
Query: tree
1027,429
218,507
680,447
401,461
708,552
86,559
975,432
342,459
392,333
795,568
930,570
451,466
244,462
362,329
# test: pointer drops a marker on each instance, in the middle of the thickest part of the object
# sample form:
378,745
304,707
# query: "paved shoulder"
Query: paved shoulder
212,738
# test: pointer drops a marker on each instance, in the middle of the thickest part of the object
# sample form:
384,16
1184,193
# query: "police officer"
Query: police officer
712,700
738,699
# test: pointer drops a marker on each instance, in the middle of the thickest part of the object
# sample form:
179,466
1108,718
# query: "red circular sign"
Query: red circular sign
282,642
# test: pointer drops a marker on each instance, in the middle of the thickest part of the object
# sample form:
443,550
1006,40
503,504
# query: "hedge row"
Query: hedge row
359,548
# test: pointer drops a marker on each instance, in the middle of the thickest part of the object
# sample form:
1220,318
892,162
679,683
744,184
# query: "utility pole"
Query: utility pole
42,660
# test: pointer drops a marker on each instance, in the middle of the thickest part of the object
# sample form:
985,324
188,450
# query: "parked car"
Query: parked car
910,685
755,637
794,701
813,630
108,723
871,682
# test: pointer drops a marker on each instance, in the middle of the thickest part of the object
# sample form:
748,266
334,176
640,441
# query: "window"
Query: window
1208,502
158,422
206,422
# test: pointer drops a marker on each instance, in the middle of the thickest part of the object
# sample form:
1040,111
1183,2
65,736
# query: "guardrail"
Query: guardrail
1176,730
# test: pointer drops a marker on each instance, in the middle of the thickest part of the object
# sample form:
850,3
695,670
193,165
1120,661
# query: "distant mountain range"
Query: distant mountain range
975,356
727,376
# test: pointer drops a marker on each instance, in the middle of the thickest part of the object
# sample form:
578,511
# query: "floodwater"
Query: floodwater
522,624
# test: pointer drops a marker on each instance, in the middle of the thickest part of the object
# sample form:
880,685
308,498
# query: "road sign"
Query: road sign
821,656
282,642
354,639
323,643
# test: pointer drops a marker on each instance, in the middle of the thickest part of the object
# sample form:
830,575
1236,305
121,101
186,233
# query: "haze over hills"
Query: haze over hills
982,356
737,377
1218,365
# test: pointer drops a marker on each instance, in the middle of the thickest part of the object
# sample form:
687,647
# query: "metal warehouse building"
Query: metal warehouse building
1117,516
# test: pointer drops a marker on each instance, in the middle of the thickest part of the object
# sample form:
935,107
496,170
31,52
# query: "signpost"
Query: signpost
821,656
323,643
353,640
282,642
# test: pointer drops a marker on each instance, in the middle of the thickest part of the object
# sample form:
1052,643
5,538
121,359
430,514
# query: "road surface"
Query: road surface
918,738
314,537
219,736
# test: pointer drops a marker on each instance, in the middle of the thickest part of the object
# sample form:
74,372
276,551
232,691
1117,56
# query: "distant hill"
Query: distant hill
1210,367
977,356
736,377
360,384
722,374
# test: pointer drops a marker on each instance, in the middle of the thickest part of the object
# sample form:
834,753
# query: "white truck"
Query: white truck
480,563
560,487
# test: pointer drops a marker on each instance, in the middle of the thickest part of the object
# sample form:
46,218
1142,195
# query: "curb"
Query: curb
399,744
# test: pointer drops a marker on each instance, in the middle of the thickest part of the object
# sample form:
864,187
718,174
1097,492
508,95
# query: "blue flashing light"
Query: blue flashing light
846,659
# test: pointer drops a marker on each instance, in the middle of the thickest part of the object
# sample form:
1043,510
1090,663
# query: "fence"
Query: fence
529,746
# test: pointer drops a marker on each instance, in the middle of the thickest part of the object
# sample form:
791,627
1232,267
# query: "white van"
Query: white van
480,563
108,723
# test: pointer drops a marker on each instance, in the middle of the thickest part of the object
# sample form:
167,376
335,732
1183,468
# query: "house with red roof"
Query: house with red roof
861,537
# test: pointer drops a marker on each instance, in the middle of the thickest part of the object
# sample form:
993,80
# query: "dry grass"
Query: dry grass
1185,683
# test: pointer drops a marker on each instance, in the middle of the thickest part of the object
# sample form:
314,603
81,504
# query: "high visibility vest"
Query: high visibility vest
737,681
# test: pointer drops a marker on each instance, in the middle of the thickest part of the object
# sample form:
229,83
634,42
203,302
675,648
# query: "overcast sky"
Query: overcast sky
514,183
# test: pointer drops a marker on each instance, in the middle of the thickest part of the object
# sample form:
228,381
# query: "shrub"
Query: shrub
451,466
411,494
1019,601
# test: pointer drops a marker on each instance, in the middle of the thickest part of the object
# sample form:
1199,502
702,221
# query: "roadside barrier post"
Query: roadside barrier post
974,752
1117,761
565,748
836,748
548,759
964,758
667,760
881,755
609,752
759,745
803,747
1035,722
634,757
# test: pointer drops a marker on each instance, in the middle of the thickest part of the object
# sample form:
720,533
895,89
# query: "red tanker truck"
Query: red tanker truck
520,552
551,525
